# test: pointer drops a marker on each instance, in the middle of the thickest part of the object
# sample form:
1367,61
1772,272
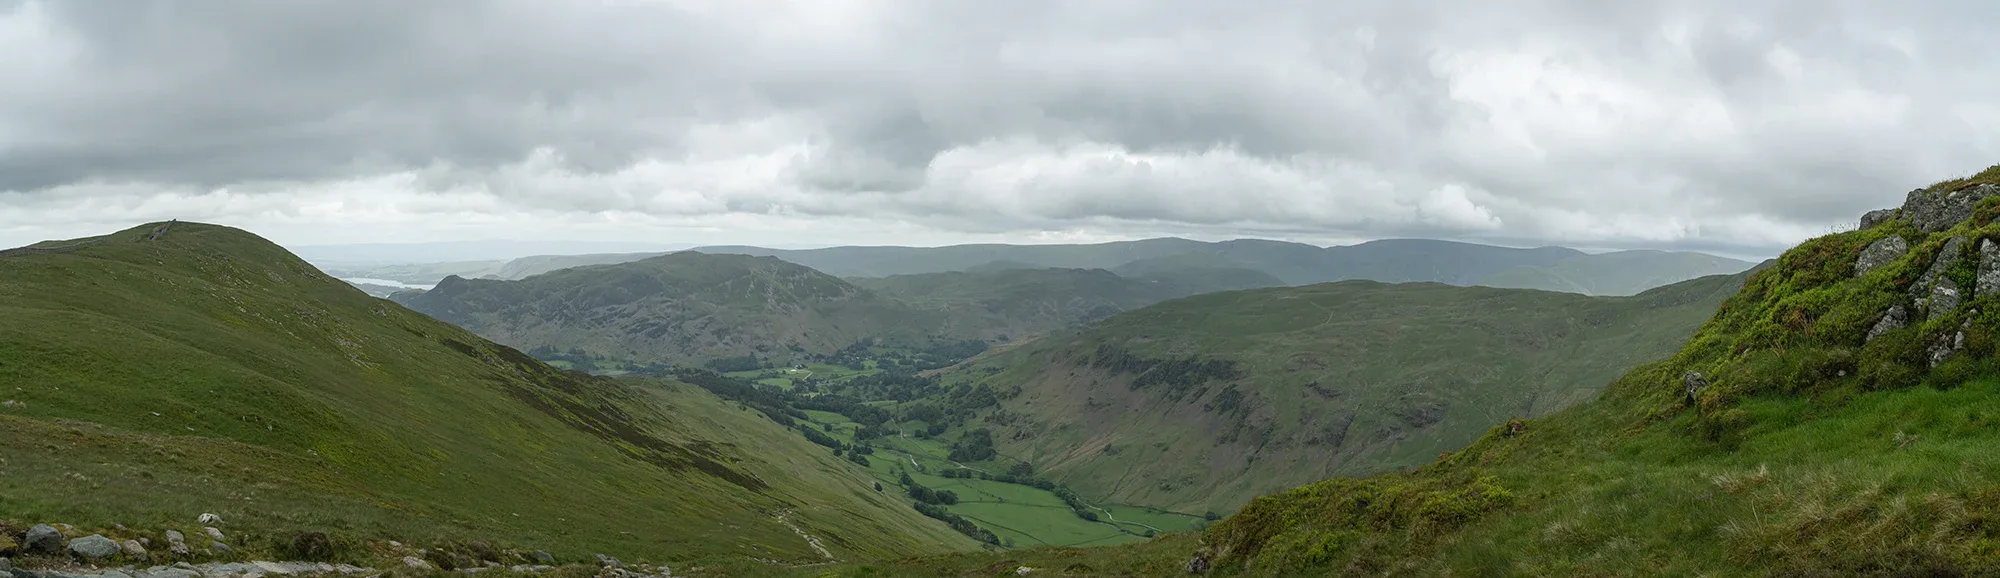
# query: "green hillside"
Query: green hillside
147,381
1024,301
1836,417
1616,273
1202,403
679,307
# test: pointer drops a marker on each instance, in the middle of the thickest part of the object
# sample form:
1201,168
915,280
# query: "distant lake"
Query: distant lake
386,283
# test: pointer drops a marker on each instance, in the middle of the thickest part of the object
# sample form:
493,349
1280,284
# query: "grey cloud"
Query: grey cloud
231,94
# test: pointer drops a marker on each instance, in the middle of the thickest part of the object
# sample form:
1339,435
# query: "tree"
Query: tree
1021,470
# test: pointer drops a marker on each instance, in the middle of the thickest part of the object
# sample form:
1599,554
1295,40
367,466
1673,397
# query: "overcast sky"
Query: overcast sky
1738,127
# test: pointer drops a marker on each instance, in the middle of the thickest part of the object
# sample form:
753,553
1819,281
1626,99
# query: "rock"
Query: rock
609,562
1944,297
1895,318
214,534
231,569
418,564
6,566
1933,211
1876,217
544,557
1197,565
177,543
1693,382
1023,571
275,568
220,548
1946,257
209,519
93,547
1988,280
43,539
1879,253
170,573
133,549
114,574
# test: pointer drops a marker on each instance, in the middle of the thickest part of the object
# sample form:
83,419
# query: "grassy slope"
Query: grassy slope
1811,453
684,306
1618,273
1340,379
1023,301
211,371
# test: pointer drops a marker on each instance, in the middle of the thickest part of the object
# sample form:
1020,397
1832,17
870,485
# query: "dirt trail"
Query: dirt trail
784,517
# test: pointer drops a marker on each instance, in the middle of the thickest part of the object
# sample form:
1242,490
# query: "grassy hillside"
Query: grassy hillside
1202,403
148,381
1616,273
1797,433
678,307
1023,301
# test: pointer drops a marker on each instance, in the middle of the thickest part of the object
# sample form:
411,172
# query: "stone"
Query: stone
1197,565
1933,211
544,557
170,573
43,539
609,562
177,543
133,549
230,569
1895,318
220,548
113,574
1693,383
6,566
1946,257
93,547
1944,297
1881,252
209,519
1876,217
1988,280
1023,571
214,534
275,568
418,564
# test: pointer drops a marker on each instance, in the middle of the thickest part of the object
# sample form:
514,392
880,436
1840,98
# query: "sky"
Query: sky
1738,127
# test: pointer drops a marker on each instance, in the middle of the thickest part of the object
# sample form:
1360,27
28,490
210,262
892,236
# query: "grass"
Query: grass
1349,378
1810,453
1023,516
210,371
1990,176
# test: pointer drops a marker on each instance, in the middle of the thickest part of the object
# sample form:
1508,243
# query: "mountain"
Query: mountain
1835,417
414,273
1024,301
888,261
1204,402
165,371
526,267
679,307
1391,260
1616,273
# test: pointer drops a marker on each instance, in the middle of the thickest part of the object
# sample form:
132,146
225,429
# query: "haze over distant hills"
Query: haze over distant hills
1389,261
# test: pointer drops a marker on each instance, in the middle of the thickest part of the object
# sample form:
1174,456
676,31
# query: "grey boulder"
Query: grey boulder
1933,211
43,539
1882,252
1895,318
93,547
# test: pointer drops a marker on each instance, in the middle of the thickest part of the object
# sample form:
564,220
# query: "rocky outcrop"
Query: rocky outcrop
1954,248
1988,280
1879,253
1933,211
1876,217
1693,382
1895,318
1944,298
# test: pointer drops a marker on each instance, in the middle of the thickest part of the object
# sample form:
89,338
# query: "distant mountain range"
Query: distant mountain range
1388,261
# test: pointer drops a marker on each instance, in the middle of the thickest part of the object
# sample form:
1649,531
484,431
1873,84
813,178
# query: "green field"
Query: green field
1023,516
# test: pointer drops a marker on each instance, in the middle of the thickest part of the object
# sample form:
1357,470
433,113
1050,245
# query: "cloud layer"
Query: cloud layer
1723,126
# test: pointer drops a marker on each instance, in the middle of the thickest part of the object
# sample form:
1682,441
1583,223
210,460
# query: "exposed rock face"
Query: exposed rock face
1876,217
1944,298
1936,211
1197,565
1880,253
1954,249
1989,268
177,543
1895,318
